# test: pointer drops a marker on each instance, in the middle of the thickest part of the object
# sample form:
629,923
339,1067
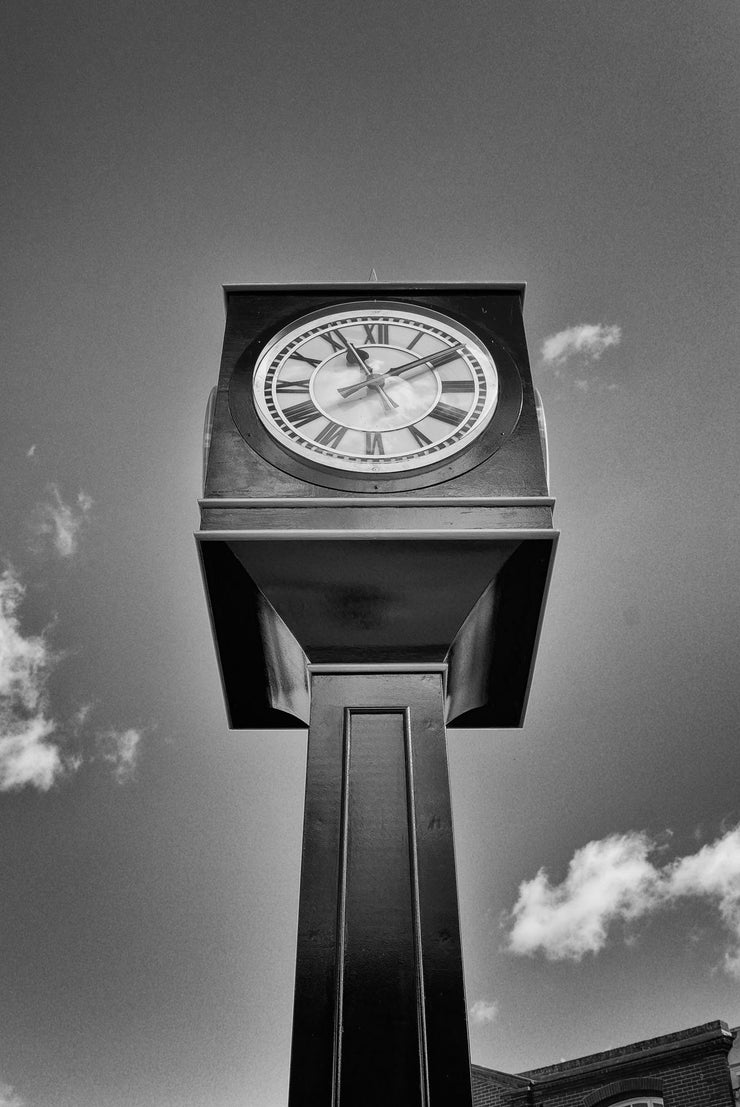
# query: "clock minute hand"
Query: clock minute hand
439,358
431,360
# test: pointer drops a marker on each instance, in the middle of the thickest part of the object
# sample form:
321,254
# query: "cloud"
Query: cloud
614,881
120,748
35,748
60,523
482,1012
607,880
8,1098
81,715
587,341
27,756
30,452
24,662
714,873
31,751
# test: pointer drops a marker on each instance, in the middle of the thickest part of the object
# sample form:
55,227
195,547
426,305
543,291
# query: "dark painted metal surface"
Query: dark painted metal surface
325,570
493,313
375,600
404,516
280,602
505,417
379,1007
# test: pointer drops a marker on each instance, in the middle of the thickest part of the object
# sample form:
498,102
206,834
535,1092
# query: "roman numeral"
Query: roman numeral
292,386
373,443
458,386
308,360
333,341
448,414
414,340
302,413
420,437
376,332
331,435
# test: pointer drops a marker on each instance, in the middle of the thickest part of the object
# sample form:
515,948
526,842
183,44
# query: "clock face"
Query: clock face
373,388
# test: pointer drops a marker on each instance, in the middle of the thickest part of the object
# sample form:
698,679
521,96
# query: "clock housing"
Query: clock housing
492,318
375,390
445,561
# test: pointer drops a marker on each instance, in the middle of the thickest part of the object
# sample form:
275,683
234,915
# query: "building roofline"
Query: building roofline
509,1078
635,1057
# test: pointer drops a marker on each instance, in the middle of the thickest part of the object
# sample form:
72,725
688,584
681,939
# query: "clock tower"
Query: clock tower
376,543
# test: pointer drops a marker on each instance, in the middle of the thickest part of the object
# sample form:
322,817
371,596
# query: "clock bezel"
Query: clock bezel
500,425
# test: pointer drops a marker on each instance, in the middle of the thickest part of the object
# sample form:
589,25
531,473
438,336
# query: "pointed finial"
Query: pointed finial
373,275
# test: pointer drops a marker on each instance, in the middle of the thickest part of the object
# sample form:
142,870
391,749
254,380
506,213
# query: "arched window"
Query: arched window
640,1101
635,1091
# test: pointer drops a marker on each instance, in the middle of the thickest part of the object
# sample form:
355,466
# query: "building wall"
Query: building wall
734,1059
494,1089
689,1069
703,1084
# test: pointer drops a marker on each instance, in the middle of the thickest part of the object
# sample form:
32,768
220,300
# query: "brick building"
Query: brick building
689,1068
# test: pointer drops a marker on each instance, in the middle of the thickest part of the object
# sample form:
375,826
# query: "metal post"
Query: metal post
379,1011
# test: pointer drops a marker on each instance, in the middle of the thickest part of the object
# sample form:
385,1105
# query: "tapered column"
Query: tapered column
379,1013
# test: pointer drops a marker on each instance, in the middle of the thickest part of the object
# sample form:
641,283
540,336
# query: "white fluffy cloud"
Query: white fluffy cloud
23,661
120,748
606,880
587,341
482,1012
614,880
714,874
60,523
27,754
8,1098
32,752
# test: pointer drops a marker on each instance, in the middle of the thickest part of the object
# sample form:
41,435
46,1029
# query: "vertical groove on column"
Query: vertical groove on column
380,1023
416,911
341,911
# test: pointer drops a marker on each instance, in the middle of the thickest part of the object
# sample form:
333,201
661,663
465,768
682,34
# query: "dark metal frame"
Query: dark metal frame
503,420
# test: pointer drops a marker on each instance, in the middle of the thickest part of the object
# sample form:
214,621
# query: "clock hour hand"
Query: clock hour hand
354,356
371,379
438,358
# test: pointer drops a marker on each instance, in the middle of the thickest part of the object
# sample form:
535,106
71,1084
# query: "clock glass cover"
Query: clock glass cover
375,387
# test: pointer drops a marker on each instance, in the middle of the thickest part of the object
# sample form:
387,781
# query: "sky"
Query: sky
149,857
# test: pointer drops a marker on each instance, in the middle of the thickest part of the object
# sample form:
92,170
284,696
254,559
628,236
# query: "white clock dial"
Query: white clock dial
375,387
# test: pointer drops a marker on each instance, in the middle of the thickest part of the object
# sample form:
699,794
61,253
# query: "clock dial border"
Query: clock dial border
407,447
489,439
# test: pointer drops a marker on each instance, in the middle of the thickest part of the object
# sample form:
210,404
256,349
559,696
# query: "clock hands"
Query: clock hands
371,380
438,358
314,383
358,357
354,356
